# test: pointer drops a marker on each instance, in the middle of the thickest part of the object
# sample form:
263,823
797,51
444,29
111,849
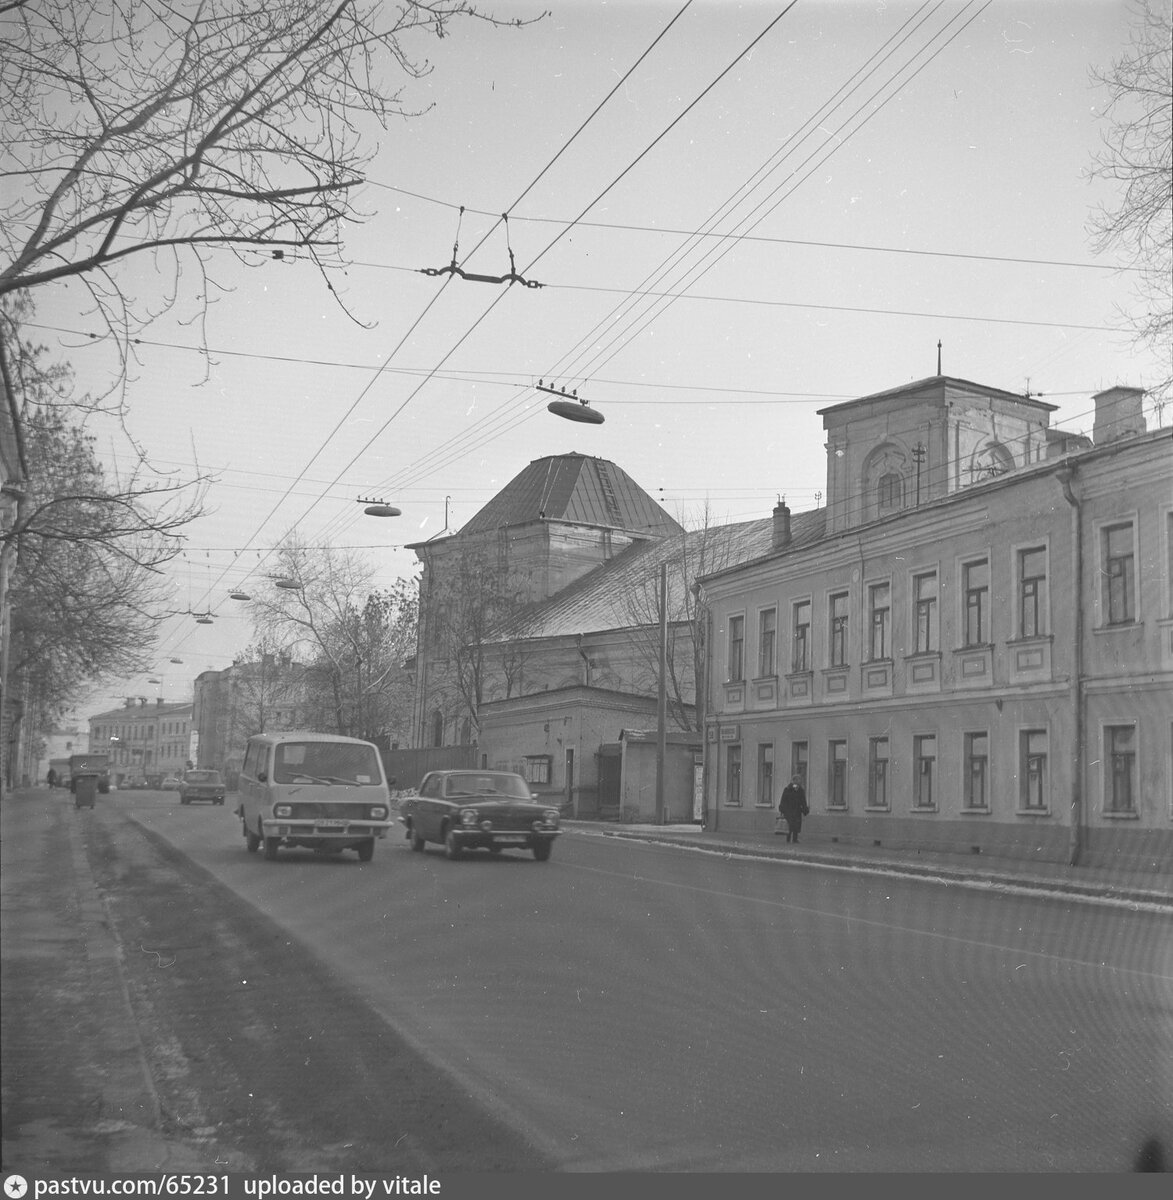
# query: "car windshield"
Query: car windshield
202,777
487,784
326,762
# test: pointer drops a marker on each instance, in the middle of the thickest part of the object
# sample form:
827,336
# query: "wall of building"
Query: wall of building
144,739
1058,690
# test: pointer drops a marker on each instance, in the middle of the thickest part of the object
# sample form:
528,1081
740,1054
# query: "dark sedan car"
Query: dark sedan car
201,785
470,810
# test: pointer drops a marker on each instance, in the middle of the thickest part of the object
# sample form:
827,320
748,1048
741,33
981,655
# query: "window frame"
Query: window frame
800,635
767,642
1027,753
735,660
976,599
968,761
837,774
838,628
734,774
924,772
884,625
1112,774
1039,599
765,768
926,612
878,773
800,757
1131,599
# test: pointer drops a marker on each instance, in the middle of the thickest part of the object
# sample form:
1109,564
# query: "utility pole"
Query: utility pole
662,700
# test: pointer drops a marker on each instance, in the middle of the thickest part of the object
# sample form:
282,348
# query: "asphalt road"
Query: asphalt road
631,1007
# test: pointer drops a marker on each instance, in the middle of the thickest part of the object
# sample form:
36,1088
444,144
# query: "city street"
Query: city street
635,1007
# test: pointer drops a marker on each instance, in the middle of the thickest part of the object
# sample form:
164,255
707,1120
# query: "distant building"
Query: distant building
970,647
229,706
146,740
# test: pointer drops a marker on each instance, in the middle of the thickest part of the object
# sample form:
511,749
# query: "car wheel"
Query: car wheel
495,850
271,844
417,842
452,846
542,849
252,842
366,850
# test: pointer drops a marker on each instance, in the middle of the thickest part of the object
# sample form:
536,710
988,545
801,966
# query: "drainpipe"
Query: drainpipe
1065,476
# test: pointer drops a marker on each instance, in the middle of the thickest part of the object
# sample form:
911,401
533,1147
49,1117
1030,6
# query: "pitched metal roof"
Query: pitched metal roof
940,384
578,489
623,592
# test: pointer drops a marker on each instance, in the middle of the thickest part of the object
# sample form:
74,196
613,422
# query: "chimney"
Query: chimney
781,537
1118,414
158,701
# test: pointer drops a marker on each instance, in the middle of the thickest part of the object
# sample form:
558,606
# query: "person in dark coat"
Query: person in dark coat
51,778
793,807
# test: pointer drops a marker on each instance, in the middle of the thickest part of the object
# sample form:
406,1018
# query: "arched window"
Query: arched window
890,491
465,731
437,727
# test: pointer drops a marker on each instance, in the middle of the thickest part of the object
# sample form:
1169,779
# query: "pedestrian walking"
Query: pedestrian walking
793,807
51,778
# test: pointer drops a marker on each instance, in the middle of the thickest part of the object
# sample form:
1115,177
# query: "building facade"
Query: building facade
146,741
976,652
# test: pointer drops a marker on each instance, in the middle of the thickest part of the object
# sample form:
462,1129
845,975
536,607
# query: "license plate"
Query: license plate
510,841
331,824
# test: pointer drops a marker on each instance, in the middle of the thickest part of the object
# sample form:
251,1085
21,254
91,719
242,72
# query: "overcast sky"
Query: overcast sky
945,198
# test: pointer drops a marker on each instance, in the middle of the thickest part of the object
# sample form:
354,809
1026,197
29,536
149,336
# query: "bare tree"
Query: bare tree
352,638
1138,155
175,129
700,550
268,683
472,600
83,553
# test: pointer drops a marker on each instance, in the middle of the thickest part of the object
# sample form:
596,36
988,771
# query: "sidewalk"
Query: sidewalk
78,1095
1103,884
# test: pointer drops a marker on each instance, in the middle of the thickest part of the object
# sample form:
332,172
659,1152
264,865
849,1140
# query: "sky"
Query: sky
844,233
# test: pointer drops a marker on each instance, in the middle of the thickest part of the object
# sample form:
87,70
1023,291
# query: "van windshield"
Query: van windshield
326,762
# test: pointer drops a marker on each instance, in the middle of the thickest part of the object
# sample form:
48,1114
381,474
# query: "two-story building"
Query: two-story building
146,741
970,647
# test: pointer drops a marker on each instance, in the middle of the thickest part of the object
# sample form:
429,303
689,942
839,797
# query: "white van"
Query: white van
318,790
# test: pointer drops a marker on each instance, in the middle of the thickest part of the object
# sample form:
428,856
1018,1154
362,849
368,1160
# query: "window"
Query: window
838,647
924,761
1120,761
767,634
799,761
878,773
766,773
975,588
801,658
537,768
837,774
736,649
1032,592
879,604
733,776
1119,575
890,492
977,770
1034,784
924,591
437,728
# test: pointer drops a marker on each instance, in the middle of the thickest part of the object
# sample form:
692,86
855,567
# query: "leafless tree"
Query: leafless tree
353,639
470,603
705,547
84,550
268,683
1138,155
181,129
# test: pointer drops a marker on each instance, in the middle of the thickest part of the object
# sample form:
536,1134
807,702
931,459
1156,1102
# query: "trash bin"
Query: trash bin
85,790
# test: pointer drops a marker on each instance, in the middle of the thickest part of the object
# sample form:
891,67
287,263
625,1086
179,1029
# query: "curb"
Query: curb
1106,893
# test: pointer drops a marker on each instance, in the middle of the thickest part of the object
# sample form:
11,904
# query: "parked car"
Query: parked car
470,810
171,784
201,785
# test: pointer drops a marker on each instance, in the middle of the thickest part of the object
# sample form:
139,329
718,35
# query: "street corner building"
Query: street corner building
970,647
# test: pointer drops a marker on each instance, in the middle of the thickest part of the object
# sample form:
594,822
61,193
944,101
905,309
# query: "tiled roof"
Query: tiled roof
623,592
578,489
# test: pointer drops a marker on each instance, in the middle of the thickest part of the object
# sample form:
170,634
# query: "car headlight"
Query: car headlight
550,816
378,812
283,810
468,816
